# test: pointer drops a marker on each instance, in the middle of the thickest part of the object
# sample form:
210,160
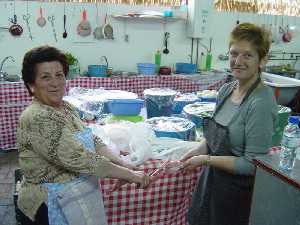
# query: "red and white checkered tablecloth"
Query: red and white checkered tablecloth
14,96
164,202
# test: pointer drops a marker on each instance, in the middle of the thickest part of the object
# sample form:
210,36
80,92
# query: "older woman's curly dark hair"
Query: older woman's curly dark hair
39,55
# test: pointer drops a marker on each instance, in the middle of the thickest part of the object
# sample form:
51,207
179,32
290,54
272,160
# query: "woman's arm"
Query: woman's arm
115,171
201,149
103,150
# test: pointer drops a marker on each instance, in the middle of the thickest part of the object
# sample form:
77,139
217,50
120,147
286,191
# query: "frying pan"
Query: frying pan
84,27
98,30
41,21
107,29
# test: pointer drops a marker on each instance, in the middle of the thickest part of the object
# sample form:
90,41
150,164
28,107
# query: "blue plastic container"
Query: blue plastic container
146,68
187,68
125,106
187,133
97,70
159,101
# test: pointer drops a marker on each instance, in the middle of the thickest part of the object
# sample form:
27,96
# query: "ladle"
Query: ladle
65,34
166,50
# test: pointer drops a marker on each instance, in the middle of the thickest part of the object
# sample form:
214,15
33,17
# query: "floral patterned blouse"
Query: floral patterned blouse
49,152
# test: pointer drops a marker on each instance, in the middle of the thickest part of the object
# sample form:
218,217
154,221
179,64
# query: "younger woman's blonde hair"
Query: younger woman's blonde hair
259,37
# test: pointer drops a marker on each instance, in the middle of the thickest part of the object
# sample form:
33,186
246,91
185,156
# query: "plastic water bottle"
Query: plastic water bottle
289,143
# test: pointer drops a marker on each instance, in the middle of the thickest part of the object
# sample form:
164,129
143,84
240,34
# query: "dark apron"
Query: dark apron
221,198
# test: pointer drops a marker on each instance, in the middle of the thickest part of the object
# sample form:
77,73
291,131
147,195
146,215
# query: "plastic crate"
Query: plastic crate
280,123
125,106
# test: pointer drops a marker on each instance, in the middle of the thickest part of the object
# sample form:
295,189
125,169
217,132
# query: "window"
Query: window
274,7
131,2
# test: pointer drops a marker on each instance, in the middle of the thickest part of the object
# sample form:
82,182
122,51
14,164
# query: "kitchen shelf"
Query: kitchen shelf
148,18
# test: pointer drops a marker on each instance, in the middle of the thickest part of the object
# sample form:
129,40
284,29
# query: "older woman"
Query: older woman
240,129
48,137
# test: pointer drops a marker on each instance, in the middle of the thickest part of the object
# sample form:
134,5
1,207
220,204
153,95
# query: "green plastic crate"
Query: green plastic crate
281,121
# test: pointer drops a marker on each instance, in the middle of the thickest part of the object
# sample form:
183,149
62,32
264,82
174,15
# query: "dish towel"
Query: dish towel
78,202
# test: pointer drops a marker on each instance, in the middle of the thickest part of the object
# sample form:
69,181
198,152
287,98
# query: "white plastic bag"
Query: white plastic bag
134,138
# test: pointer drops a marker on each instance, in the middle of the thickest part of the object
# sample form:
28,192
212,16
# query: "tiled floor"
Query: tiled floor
8,164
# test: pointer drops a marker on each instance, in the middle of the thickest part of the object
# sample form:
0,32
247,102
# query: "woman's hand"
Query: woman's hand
138,177
191,153
129,166
194,162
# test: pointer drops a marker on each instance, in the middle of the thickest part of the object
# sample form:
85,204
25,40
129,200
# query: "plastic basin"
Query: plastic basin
125,106
97,70
186,68
146,68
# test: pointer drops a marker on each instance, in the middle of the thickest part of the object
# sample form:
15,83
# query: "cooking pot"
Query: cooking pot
15,30
164,70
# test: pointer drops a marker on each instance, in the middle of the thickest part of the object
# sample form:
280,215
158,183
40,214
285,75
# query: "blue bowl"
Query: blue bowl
97,71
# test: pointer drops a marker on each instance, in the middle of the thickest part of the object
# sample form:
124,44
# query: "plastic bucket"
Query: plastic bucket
159,101
280,123
208,99
146,68
197,111
173,127
97,70
183,100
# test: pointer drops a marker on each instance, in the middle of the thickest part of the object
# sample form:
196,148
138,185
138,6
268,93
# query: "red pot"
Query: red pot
164,70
